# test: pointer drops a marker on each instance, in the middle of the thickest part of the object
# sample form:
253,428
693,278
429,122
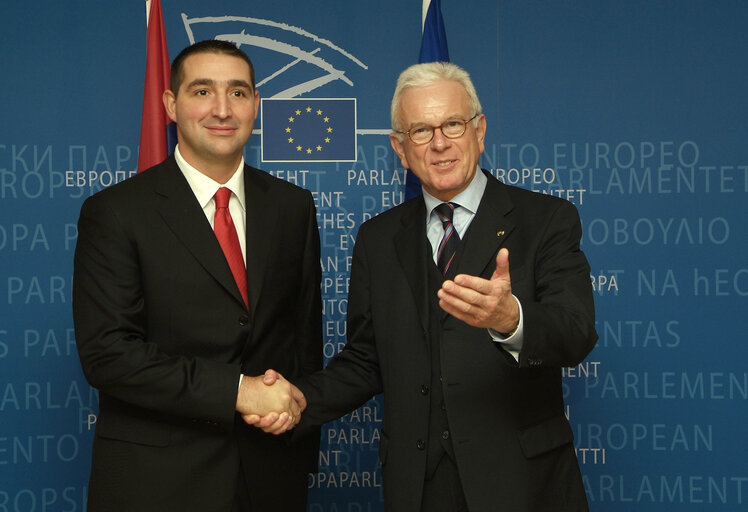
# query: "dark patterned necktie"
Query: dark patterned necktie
450,241
223,225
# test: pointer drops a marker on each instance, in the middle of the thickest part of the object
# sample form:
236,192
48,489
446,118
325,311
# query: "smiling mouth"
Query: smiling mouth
445,163
223,130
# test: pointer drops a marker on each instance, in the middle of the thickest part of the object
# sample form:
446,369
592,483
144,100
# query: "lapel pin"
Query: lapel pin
500,233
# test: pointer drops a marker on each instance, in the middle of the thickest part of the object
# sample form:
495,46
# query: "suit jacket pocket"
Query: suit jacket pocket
545,436
133,429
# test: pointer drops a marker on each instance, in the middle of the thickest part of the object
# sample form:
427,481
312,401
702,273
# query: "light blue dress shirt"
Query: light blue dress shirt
468,201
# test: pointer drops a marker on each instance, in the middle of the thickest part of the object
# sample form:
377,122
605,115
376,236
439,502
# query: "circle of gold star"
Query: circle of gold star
289,130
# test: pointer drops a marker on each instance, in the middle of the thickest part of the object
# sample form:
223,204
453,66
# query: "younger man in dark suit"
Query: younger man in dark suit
172,320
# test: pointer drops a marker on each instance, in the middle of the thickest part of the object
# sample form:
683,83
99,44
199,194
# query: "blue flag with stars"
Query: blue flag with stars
308,130
433,49
434,39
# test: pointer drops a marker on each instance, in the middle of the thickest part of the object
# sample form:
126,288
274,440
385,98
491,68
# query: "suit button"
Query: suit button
445,435
421,445
424,389
243,320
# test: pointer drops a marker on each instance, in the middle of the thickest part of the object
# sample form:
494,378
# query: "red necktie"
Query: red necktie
223,225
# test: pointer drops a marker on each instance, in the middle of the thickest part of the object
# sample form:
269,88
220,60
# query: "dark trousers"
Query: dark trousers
242,502
443,492
292,501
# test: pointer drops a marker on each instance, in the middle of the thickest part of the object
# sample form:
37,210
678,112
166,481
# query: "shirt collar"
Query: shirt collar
468,198
204,187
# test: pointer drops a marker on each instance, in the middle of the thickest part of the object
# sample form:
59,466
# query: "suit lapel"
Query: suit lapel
487,232
181,211
261,222
410,246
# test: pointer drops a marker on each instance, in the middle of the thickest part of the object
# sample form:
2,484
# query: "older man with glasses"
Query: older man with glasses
467,351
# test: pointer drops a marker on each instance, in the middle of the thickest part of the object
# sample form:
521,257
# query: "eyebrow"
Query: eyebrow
455,117
209,81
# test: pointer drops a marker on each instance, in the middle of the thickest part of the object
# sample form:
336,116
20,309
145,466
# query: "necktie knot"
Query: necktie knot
446,212
222,197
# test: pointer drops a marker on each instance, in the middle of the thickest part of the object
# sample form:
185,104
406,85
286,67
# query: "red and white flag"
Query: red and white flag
155,140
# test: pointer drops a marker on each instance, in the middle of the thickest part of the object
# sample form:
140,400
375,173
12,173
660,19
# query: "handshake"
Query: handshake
270,402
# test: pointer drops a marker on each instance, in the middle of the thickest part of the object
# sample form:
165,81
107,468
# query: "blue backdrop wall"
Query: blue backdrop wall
635,111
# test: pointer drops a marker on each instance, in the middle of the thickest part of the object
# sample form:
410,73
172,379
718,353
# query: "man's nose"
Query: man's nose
439,141
221,107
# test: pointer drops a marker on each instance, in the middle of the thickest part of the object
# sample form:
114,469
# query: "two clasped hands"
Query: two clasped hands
273,404
270,402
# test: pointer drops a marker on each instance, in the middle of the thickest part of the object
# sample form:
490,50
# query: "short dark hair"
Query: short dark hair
209,46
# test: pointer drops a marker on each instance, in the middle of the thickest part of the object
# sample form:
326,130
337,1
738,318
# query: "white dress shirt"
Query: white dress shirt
205,188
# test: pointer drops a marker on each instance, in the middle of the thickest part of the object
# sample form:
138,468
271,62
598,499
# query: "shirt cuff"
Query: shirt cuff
513,342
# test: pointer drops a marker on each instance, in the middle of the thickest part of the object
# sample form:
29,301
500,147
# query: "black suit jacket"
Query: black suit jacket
163,334
512,442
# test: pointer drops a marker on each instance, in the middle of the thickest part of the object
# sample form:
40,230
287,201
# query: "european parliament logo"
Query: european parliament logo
308,129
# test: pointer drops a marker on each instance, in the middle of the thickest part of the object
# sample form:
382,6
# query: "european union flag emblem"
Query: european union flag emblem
308,130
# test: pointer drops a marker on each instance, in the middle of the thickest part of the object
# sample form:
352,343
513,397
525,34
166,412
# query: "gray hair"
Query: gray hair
422,75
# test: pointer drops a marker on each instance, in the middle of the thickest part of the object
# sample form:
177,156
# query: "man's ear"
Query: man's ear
397,145
480,131
170,101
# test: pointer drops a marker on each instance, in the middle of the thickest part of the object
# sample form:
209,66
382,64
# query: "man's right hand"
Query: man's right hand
270,402
273,422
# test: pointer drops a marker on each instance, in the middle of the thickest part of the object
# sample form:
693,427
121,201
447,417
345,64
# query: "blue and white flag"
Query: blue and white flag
308,130
434,39
433,49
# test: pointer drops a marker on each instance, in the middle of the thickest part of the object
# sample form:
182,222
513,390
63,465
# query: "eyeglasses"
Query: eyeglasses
451,129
